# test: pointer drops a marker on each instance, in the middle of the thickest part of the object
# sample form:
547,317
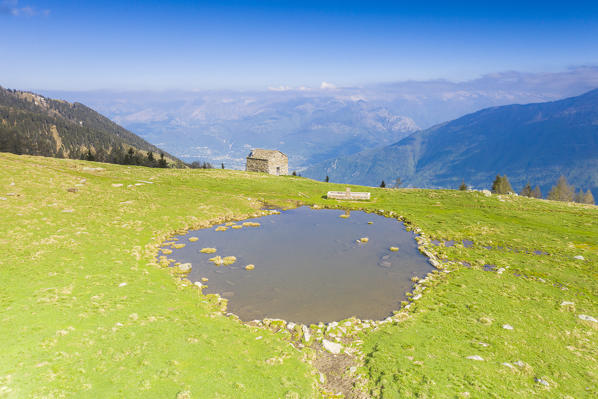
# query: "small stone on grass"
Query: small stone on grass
476,357
332,347
541,381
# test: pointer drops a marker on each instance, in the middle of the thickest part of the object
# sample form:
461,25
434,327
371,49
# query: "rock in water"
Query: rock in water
385,264
229,260
185,267
217,260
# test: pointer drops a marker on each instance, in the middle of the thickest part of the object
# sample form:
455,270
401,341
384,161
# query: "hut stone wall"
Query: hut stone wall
257,165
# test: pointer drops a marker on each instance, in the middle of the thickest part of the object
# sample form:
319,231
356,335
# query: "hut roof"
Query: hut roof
259,153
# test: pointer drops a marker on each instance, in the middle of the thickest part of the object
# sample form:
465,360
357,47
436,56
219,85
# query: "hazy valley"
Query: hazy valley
312,125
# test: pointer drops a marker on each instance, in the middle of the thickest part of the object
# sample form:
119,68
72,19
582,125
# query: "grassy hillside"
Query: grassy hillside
85,311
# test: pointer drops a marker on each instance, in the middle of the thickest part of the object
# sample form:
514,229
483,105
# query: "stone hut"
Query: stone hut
268,161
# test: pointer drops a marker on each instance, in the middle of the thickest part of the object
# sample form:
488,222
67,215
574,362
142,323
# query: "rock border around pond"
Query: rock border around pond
332,339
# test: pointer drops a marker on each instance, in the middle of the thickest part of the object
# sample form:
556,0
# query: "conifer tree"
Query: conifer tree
89,156
506,185
130,157
527,190
382,185
537,193
327,179
579,196
501,185
162,162
463,186
496,184
588,198
562,191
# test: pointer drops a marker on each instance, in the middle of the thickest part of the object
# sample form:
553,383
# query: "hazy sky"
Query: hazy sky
85,45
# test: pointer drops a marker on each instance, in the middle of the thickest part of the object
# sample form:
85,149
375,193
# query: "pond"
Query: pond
310,265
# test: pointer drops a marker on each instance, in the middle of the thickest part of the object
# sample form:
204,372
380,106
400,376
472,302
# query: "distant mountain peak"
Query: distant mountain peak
534,142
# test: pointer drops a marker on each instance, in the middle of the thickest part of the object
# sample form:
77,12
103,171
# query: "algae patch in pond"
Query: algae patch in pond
310,265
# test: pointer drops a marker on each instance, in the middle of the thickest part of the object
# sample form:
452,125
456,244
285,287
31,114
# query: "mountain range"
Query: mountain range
533,143
312,124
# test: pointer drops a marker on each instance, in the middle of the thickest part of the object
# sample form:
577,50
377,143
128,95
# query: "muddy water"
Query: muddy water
308,265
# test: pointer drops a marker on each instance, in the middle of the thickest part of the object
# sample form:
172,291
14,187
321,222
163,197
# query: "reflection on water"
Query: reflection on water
309,265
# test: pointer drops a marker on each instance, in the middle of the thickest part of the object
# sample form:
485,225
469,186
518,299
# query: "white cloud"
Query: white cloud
327,85
11,7
280,88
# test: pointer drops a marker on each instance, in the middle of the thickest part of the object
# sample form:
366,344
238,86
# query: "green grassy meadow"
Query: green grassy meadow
86,311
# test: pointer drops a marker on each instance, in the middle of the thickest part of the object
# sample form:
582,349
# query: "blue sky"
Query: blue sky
83,45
